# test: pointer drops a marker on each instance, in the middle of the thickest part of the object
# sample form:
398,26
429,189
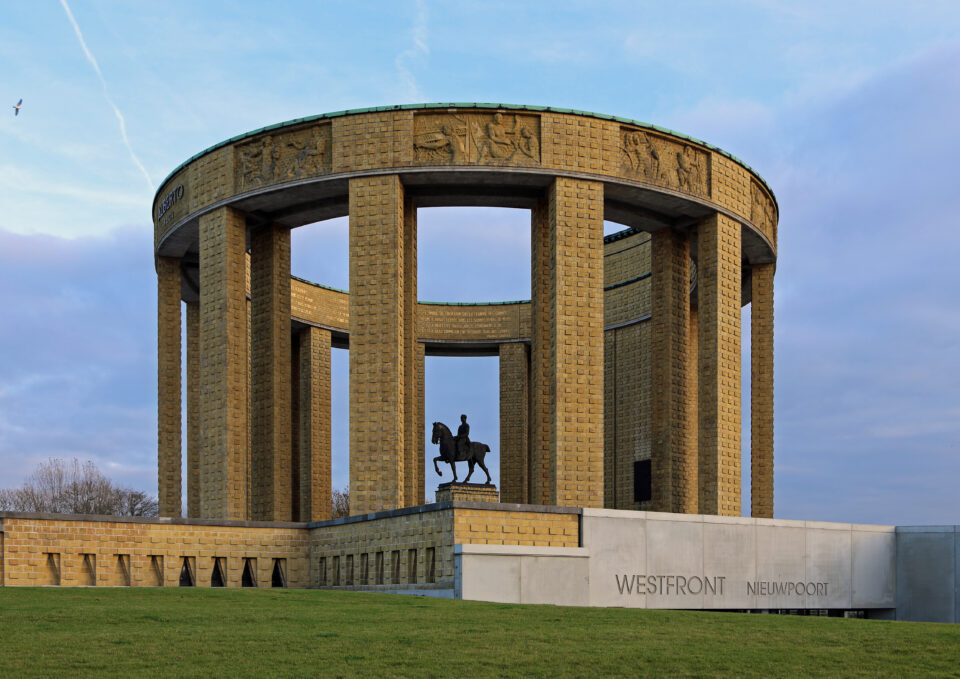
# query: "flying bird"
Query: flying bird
16,109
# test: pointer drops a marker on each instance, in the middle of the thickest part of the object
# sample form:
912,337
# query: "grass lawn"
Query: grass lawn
265,633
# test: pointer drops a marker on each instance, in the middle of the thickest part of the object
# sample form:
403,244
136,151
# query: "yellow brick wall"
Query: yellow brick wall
761,391
271,442
497,527
575,216
193,410
378,267
373,140
314,424
389,536
580,144
514,422
464,492
223,365
673,457
168,386
28,541
719,386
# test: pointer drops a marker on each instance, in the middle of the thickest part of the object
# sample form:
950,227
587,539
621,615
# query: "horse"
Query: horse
449,454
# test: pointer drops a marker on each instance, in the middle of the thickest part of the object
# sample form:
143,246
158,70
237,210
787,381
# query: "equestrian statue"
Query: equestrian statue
459,448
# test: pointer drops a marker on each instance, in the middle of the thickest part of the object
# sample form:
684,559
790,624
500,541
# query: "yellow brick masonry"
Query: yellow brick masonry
168,385
673,458
498,527
719,364
413,367
193,410
575,235
28,541
378,267
314,424
40,550
467,492
542,352
567,352
223,365
761,391
514,427
271,471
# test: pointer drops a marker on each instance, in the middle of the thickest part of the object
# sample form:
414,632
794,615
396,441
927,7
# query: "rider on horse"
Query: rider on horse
463,438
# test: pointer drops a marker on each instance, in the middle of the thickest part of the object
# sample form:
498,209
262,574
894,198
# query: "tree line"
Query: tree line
61,487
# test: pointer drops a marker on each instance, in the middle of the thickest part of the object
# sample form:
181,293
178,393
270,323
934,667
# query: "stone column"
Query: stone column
270,373
223,365
314,424
193,410
568,345
761,391
413,373
673,460
514,409
693,423
542,384
168,385
413,465
379,302
719,358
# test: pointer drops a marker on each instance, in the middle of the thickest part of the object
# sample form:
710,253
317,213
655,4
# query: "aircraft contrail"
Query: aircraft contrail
106,94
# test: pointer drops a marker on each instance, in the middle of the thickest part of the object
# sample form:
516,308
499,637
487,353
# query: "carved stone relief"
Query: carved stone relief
762,211
284,156
476,138
664,162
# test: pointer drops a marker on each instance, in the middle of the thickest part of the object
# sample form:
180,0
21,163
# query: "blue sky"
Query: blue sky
848,109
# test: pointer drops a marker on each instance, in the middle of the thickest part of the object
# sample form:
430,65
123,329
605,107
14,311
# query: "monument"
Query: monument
620,406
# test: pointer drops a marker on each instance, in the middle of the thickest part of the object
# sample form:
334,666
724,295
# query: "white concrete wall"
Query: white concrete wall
654,560
750,563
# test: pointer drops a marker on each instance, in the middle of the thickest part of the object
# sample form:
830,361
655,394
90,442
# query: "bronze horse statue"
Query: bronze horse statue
448,452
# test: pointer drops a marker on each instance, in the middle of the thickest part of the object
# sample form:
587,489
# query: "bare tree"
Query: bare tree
341,503
60,487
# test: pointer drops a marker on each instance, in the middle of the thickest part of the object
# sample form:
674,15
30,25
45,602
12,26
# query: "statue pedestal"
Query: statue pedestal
468,492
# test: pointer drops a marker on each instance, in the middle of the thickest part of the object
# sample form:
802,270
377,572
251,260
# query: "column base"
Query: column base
467,492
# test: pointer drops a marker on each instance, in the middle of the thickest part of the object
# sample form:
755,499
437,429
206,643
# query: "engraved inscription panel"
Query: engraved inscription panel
457,138
655,159
762,211
276,158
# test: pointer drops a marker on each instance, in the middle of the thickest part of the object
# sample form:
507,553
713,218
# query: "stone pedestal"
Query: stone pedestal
468,492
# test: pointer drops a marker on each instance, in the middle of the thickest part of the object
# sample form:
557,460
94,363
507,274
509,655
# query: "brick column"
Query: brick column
542,384
693,428
379,289
514,409
270,373
413,465
413,373
314,424
568,345
223,365
761,391
193,410
168,385
719,357
673,459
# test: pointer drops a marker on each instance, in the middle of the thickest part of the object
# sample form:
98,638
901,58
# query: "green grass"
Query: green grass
210,633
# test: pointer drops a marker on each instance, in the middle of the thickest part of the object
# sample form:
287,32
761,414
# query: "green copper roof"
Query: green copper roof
468,104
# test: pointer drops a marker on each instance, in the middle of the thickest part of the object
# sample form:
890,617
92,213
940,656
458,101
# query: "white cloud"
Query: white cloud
404,60
106,94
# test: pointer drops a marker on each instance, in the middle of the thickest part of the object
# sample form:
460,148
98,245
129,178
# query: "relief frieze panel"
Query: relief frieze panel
664,162
763,213
461,138
286,156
